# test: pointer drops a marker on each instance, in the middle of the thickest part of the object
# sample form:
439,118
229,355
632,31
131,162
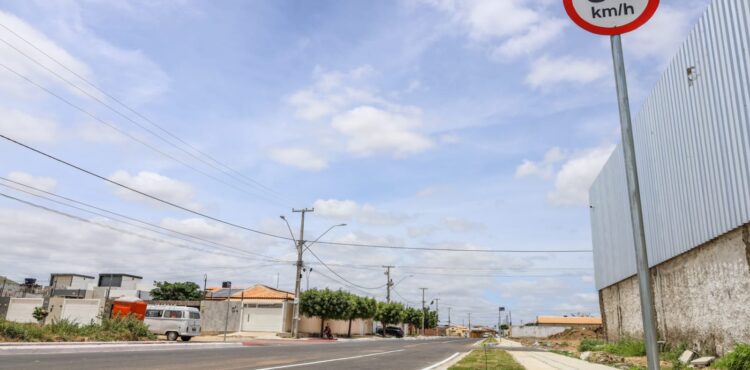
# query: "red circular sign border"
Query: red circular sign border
640,21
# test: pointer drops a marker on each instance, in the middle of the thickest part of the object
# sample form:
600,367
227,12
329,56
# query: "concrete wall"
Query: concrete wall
536,331
21,309
701,297
311,325
213,316
80,311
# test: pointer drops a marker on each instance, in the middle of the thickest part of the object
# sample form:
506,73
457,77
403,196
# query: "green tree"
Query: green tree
177,291
360,308
413,317
390,313
326,304
431,321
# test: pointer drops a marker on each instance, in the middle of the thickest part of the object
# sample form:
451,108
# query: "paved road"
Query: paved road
365,355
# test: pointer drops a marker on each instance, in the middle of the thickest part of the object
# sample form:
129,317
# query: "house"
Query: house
9,288
259,308
71,285
569,322
116,285
457,331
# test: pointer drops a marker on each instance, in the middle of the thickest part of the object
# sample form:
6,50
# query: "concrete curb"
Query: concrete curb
55,348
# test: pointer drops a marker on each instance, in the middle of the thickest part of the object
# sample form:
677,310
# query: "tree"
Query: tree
326,304
413,317
360,308
177,291
389,313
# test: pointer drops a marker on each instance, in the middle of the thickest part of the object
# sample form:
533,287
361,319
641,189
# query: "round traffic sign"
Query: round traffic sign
610,17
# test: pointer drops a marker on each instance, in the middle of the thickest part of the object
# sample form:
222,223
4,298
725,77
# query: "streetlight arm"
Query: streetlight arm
402,279
294,240
321,235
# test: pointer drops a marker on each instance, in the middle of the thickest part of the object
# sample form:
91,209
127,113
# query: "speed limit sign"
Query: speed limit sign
610,17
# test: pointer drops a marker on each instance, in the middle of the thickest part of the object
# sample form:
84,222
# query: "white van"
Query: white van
173,321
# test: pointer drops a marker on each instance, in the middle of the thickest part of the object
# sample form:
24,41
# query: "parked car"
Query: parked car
393,331
173,321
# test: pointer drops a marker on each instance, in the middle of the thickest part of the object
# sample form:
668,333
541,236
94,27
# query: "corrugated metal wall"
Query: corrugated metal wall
692,146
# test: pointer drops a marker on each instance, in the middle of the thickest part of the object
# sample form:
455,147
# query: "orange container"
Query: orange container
136,308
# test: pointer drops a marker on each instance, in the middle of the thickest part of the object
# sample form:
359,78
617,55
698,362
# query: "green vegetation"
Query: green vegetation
494,359
489,340
564,353
390,313
120,328
326,304
177,291
39,314
739,359
591,345
360,308
414,316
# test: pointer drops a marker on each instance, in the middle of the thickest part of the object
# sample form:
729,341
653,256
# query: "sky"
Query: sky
443,124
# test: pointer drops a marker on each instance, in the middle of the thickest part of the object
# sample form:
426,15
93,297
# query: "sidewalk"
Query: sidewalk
7,349
539,360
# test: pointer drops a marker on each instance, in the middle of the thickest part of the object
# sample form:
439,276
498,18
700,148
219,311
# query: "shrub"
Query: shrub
590,345
627,348
739,359
119,328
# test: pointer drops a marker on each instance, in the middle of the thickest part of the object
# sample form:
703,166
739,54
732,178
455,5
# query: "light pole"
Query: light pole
300,246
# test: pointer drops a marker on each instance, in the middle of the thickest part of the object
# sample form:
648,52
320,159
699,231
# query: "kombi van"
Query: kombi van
173,321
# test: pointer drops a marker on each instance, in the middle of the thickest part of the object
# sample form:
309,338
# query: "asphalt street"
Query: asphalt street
365,355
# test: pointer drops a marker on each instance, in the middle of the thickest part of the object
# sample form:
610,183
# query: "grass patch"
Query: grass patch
489,340
591,345
564,353
116,329
626,348
739,359
496,360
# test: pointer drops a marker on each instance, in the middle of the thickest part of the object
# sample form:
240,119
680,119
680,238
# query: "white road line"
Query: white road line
331,360
441,362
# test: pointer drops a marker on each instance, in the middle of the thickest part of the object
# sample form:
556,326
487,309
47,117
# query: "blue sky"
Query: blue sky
425,123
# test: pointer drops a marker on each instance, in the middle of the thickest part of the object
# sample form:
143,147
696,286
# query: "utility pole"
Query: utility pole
423,313
298,277
277,280
389,283
437,311
469,324
205,281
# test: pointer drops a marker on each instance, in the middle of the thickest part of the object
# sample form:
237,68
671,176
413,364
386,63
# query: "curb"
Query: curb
55,348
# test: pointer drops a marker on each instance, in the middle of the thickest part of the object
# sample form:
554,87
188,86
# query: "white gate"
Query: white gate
263,317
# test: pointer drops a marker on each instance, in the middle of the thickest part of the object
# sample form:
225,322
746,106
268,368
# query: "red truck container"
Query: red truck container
126,307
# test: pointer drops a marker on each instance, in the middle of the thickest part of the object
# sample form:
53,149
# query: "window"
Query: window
271,305
153,313
173,314
195,315
110,280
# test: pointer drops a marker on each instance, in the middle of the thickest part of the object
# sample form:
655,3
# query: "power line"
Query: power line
455,249
266,233
128,218
212,165
158,240
142,193
124,133
339,275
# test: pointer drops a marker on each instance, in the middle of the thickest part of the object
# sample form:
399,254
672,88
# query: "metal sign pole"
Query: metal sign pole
636,212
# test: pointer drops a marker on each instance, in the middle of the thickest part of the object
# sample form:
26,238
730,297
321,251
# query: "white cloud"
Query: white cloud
544,169
39,182
26,127
299,158
371,130
576,175
547,71
349,210
518,26
537,37
16,61
157,185
357,116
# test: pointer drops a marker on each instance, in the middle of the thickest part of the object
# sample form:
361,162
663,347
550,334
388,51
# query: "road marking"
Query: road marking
331,360
441,362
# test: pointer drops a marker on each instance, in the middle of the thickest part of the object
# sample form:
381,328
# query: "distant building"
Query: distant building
569,322
116,285
71,285
9,288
